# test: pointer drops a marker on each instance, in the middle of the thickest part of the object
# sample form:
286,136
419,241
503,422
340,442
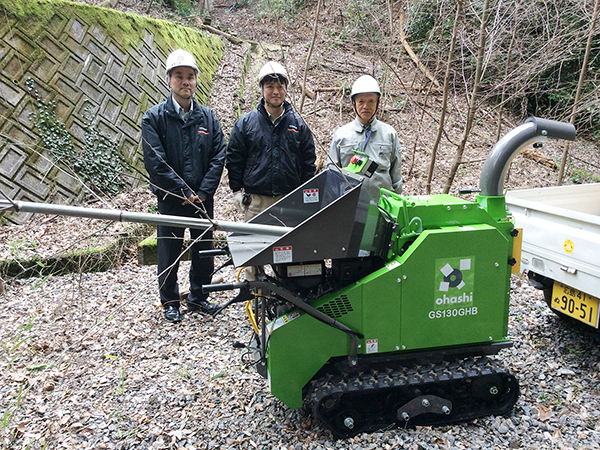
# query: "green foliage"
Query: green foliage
364,19
582,177
15,248
57,139
422,19
222,373
285,10
183,7
20,337
99,165
429,25
12,408
555,92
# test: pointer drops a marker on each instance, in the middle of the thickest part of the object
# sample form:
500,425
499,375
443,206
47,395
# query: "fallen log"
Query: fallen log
539,157
413,56
231,38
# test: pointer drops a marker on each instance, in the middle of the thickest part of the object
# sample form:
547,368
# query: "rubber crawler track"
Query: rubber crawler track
428,394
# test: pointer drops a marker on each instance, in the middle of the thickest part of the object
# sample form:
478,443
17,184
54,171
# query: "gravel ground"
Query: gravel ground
88,362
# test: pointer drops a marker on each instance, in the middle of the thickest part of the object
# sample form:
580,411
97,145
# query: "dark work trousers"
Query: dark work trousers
168,248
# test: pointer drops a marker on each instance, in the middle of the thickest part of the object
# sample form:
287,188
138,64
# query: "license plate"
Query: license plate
575,304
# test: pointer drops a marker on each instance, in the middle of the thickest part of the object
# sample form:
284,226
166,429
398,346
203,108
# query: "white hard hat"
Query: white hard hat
273,69
181,58
365,84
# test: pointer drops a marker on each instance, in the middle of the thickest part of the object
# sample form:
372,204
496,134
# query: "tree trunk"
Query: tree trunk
445,97
473,102
586,58
506,69
312,46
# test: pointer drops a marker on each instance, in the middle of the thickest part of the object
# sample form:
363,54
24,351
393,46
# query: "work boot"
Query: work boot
172,314
203,306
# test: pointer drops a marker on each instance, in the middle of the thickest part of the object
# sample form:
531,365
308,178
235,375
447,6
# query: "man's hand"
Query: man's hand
193,199
238,197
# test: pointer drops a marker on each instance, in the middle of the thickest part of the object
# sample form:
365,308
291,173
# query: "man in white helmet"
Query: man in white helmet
184,152
271,150
368,135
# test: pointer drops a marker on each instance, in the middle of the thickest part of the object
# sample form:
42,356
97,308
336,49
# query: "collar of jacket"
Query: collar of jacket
261,108
358,127
170,108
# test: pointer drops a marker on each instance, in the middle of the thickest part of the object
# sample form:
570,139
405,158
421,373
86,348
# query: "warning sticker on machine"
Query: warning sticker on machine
281,321
306,270
393,265
282,255
311,195
372,346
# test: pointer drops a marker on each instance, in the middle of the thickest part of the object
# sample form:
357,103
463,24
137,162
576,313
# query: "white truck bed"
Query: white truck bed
561,233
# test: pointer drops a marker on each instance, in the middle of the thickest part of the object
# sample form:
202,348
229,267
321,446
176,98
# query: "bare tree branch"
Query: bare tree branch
579,86
473,101
445,96
312,45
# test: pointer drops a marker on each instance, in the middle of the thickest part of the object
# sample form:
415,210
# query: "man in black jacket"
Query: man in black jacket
271,150
184,152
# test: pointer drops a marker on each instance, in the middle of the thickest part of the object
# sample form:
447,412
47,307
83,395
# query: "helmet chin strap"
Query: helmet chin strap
370,118
179,96
183,98
271,105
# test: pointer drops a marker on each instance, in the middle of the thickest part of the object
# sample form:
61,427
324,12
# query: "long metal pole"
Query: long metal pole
135,217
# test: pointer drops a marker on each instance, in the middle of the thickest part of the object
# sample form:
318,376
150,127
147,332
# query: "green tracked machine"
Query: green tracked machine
376,315
387,314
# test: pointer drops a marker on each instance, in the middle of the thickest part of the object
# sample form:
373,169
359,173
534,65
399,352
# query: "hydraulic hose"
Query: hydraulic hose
297,302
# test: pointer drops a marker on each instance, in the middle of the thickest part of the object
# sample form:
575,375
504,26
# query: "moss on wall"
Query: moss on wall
128,29
82,56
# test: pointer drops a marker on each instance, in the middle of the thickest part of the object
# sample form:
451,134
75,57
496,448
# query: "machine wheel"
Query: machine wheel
330,403
487,389
347,421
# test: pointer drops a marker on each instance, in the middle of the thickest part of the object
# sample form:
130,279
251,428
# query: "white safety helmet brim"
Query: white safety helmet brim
181,58
273,69
365,84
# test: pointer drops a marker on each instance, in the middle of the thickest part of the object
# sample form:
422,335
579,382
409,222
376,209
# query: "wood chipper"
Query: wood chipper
373,315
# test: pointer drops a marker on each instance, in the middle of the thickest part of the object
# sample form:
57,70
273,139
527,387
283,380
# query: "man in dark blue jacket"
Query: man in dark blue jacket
271,150
184,152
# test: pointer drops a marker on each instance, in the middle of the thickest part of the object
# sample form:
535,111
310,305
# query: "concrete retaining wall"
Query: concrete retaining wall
81,56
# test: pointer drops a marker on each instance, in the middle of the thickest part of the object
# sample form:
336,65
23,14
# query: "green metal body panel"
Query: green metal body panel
446,284
472,312
296,353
